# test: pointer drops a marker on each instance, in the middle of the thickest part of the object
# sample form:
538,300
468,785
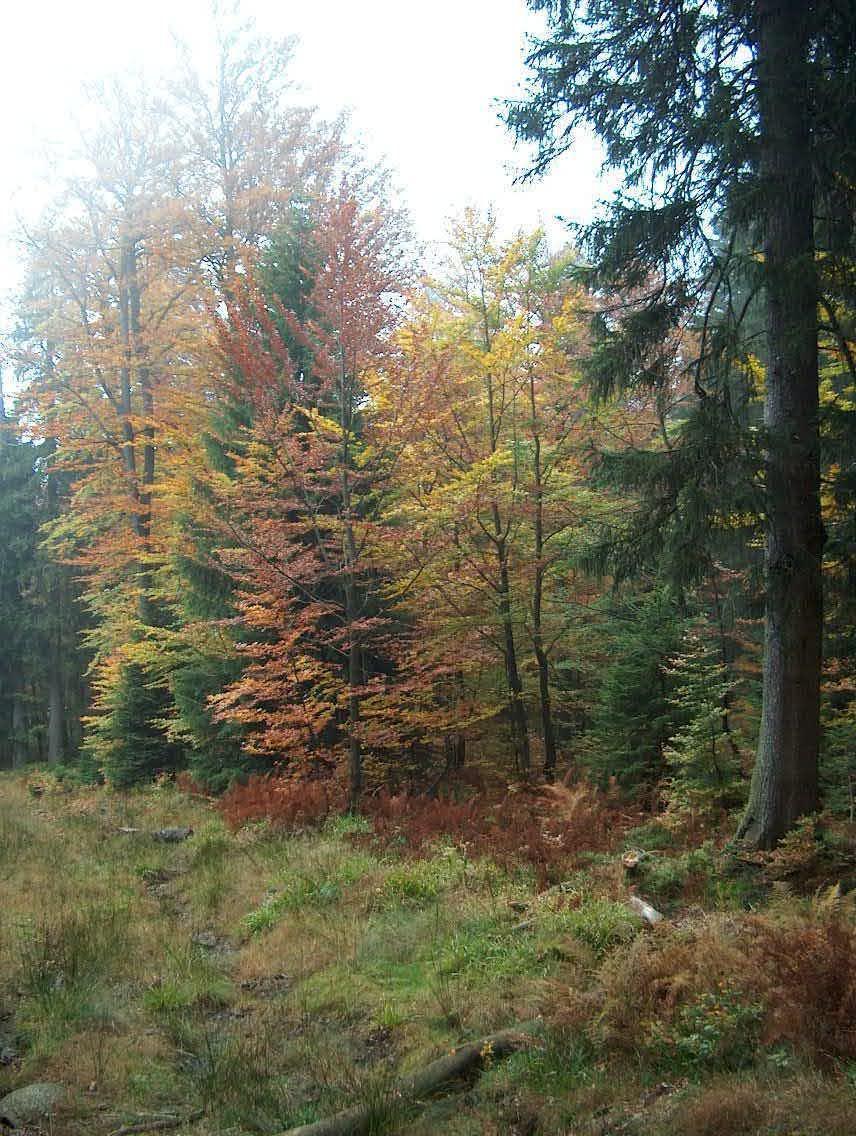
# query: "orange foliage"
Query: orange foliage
810,984
545,830
286,803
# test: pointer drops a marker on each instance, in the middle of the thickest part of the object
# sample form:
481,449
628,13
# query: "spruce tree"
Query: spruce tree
19,521
703,755
634,715
725,117
42,663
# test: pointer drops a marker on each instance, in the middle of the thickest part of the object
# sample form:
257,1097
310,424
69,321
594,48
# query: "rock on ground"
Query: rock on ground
32,1102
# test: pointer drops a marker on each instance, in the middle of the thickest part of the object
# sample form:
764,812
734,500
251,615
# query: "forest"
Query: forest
546,553
275,499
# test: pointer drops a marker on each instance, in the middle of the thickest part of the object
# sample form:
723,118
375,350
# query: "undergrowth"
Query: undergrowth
271,972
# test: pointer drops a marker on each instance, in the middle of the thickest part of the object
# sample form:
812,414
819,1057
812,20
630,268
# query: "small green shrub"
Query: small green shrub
314,890
191,980
718,1031
210,848
210,845
667,877
599,923
71,949
555,1066
348,824
66,961
486,949
420,882
650,837
234,1077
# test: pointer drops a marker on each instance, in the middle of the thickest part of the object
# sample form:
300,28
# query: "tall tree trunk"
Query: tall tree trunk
349,586
59,615
785,782
129,453
355,754
56,715
144,379
516,705
20,751
142,372
547,731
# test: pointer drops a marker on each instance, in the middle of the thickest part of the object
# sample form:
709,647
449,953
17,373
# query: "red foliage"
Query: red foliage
807,970
285,803
546,829
185,782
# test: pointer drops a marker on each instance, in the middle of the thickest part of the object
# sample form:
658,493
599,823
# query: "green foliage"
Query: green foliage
634,715
420,882
666,877
718,1031
838,758
486,950
703,756
650,837
601,924
127,740
202,660
40,616
191,980
312,888
70,950
559,1063
233,1075
348,824
210,850
68,962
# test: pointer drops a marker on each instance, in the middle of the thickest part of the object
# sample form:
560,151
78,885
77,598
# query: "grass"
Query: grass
270,979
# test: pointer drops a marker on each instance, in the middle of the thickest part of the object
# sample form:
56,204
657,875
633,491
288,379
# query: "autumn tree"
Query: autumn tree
728,115
106,348
248,148
304,510
172,193
494,479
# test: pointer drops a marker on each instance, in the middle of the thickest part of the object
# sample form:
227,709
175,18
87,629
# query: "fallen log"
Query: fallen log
435,1076
644,910
156,1124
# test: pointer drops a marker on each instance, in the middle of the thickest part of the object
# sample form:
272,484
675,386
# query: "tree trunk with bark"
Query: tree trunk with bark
516,705
547,731
785,782
56,715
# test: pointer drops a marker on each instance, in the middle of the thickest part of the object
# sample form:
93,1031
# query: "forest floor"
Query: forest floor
253,981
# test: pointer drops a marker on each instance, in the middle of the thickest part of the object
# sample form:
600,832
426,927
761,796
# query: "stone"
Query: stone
172,835
31,1103
205,939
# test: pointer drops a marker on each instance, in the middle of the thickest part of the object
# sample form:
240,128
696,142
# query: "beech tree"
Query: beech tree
247,147
493,481
726,120
107,347
304,512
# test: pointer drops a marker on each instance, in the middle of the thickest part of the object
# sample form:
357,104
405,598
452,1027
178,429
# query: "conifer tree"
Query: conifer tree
42,662
734,113
702,756
634,716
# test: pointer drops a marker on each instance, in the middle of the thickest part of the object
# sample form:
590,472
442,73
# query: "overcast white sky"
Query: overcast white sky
421,81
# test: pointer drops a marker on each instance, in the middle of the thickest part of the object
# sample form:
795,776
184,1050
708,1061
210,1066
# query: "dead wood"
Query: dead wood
156,1124
644,910
436,1076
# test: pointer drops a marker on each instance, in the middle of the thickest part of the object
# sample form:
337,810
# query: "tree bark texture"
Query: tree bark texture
547,731
785,782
